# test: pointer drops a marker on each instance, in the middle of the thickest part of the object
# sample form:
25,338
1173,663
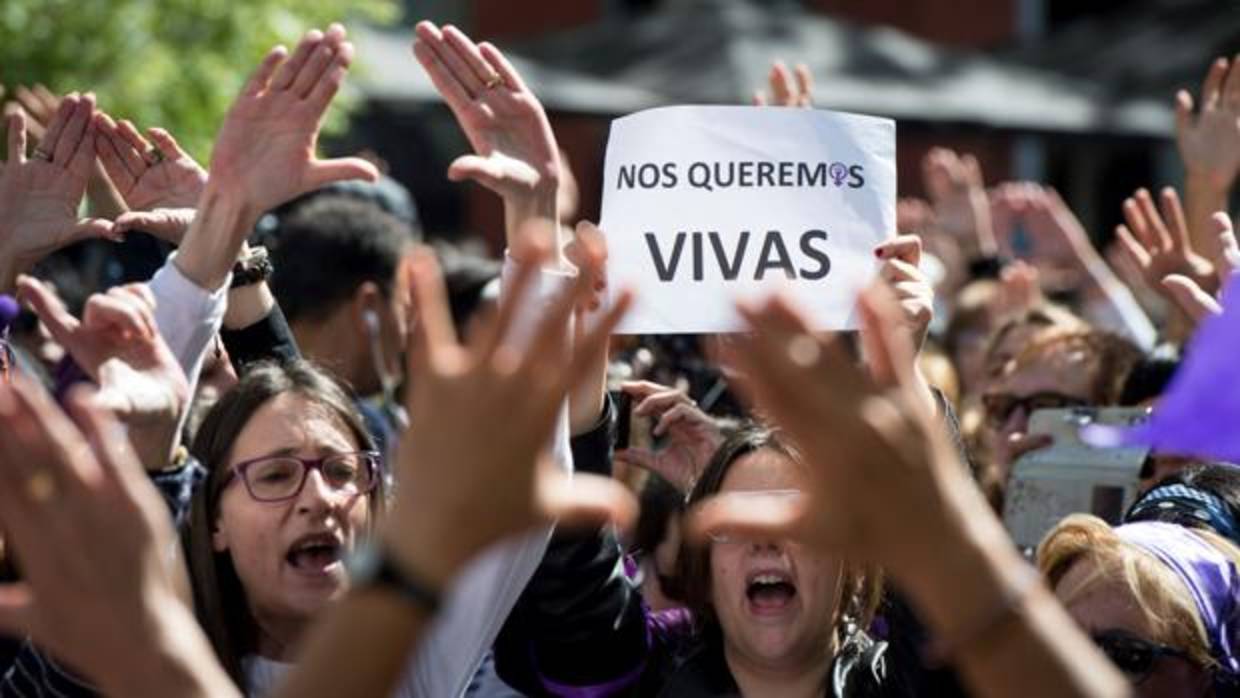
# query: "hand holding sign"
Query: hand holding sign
703,205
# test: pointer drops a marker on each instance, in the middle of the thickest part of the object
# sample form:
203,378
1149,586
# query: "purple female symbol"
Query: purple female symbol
838,172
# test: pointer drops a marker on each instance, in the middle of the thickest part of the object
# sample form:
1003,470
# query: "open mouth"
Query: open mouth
316,553
770,591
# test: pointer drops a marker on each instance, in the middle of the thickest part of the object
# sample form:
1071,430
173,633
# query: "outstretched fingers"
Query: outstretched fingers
747,516
471,56
329,80
16,125
286,76
261,79
1160,236
500,63
51,137
122,162
74,131
583,500
449,61
1211,86
1173,216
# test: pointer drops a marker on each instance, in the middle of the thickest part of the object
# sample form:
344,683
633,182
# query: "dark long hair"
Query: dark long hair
861,586
219,598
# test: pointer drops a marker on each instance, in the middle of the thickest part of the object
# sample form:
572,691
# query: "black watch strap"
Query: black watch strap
373,568
254,268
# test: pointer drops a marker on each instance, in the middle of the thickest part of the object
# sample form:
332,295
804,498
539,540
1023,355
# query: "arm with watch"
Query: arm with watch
469,493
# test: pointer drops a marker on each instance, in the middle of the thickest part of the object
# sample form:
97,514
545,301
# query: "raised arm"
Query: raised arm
265,151
465,492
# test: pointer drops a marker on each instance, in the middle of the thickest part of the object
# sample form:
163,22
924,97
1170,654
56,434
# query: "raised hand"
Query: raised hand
793,88
79,488
118,345
265,150
1209,144
1055,239
691,435
955,186
515,153
871,446
1209,140
1186,293
40,195
39,105
159,183
436,523
1020,289
1158,242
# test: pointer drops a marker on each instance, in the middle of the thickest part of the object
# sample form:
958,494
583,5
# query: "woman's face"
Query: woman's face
775,600
289,555
1108,605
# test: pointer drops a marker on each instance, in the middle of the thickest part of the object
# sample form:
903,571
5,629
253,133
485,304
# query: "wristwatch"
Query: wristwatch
370,567
253,268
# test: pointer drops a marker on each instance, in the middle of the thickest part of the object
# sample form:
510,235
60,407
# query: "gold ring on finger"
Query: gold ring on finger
494,81
40,487
804,350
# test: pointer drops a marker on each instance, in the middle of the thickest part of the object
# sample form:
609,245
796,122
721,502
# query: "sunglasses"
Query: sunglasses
1133,655
1000,407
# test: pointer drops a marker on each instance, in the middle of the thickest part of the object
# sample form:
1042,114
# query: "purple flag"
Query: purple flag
1199,415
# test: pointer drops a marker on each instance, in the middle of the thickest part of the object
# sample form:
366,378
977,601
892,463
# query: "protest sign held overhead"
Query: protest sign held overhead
704,205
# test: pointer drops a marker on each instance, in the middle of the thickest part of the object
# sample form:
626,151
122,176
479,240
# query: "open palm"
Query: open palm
514,149
40,195
1209,140
266,147
117,344
147,176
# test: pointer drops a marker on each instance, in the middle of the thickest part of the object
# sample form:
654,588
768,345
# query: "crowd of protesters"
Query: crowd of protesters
307,454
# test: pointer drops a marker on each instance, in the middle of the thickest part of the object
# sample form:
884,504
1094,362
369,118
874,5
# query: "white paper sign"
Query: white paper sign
704,205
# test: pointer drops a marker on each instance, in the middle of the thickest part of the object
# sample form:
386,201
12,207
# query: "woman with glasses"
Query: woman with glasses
1161,600
293,483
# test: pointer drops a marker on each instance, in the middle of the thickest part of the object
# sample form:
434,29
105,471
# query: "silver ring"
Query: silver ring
153,156
41,154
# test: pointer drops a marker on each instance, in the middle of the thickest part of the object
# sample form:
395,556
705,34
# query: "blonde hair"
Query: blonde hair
1162,598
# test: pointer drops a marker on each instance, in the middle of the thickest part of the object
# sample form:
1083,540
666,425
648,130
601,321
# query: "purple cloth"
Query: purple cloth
1210,576
9,310
1200,413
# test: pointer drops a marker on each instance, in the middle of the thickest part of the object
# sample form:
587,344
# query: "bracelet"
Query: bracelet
373,568
254,268
1010,605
